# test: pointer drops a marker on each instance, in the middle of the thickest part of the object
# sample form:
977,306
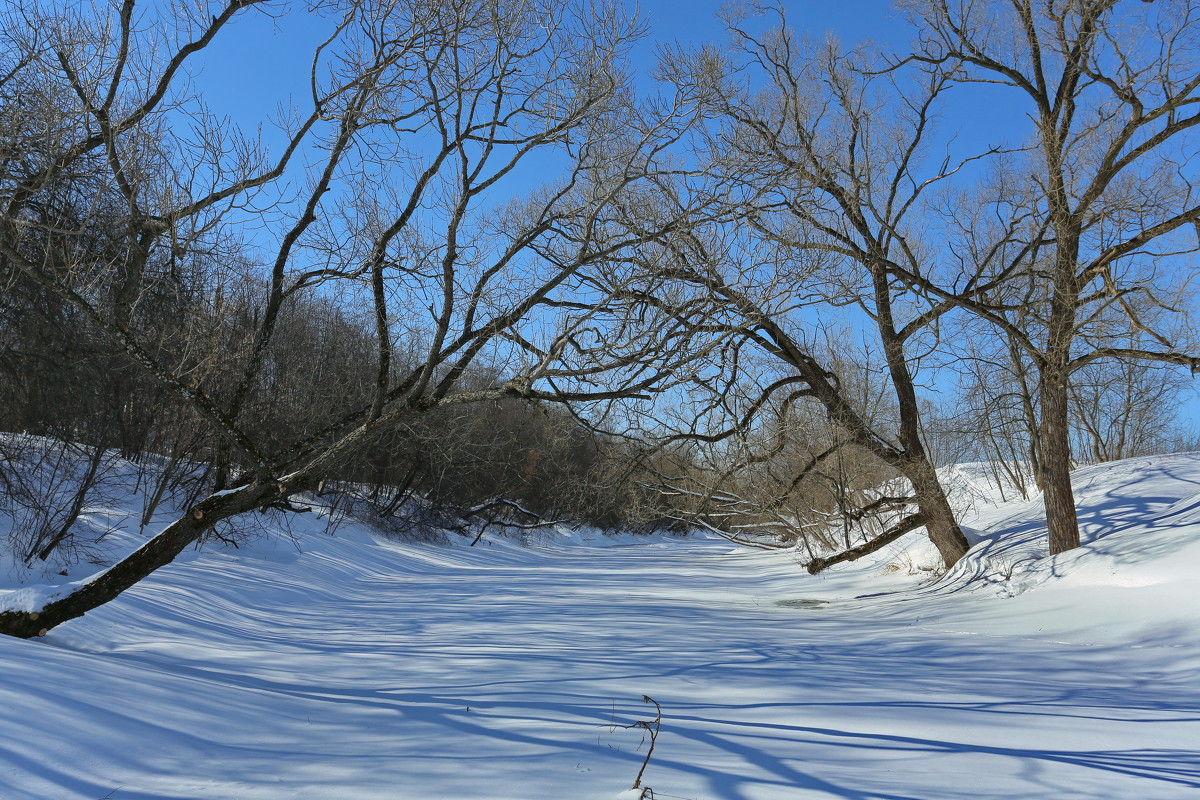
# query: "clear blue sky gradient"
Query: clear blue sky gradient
258,60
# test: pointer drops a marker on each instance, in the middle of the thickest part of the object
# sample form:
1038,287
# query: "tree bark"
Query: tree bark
909,523
912,461
158,552
940,524
935,509
1061,520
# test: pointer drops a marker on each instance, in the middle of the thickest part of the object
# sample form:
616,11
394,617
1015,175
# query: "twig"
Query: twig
651,727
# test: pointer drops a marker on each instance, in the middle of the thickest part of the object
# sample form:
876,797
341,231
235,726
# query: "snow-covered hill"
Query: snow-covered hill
311,666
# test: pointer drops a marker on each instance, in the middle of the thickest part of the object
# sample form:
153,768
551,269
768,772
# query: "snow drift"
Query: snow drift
304,665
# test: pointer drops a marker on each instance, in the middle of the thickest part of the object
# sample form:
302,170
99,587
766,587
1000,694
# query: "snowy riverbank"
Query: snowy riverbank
352,667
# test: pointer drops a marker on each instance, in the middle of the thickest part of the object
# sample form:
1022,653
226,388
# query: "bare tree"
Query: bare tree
1124,408
996,414
821,167
420,116
1106,189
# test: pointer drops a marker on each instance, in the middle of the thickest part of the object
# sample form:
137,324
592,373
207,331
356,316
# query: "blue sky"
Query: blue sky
259,62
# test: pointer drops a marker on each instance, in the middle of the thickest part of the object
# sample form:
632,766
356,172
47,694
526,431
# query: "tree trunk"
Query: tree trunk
158,552
934,513
940,524
910,459
935,509
907,524
1061,519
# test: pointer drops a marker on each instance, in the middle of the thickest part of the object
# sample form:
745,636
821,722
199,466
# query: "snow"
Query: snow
311,666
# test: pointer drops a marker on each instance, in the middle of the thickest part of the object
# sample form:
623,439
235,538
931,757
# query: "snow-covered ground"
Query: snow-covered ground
351,667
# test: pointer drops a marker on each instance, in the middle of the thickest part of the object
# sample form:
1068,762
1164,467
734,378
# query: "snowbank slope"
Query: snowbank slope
351,667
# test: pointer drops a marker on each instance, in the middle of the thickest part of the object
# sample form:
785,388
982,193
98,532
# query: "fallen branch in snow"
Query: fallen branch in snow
909,523
651,727
733,537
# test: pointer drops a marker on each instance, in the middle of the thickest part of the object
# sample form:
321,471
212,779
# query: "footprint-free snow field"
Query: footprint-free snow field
350,667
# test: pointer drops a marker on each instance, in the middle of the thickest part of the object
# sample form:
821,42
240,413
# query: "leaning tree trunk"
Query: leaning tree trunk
937,514
934,513
158,552
910,458
914,462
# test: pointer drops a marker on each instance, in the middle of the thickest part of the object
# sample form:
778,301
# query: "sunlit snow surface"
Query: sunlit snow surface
362,669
